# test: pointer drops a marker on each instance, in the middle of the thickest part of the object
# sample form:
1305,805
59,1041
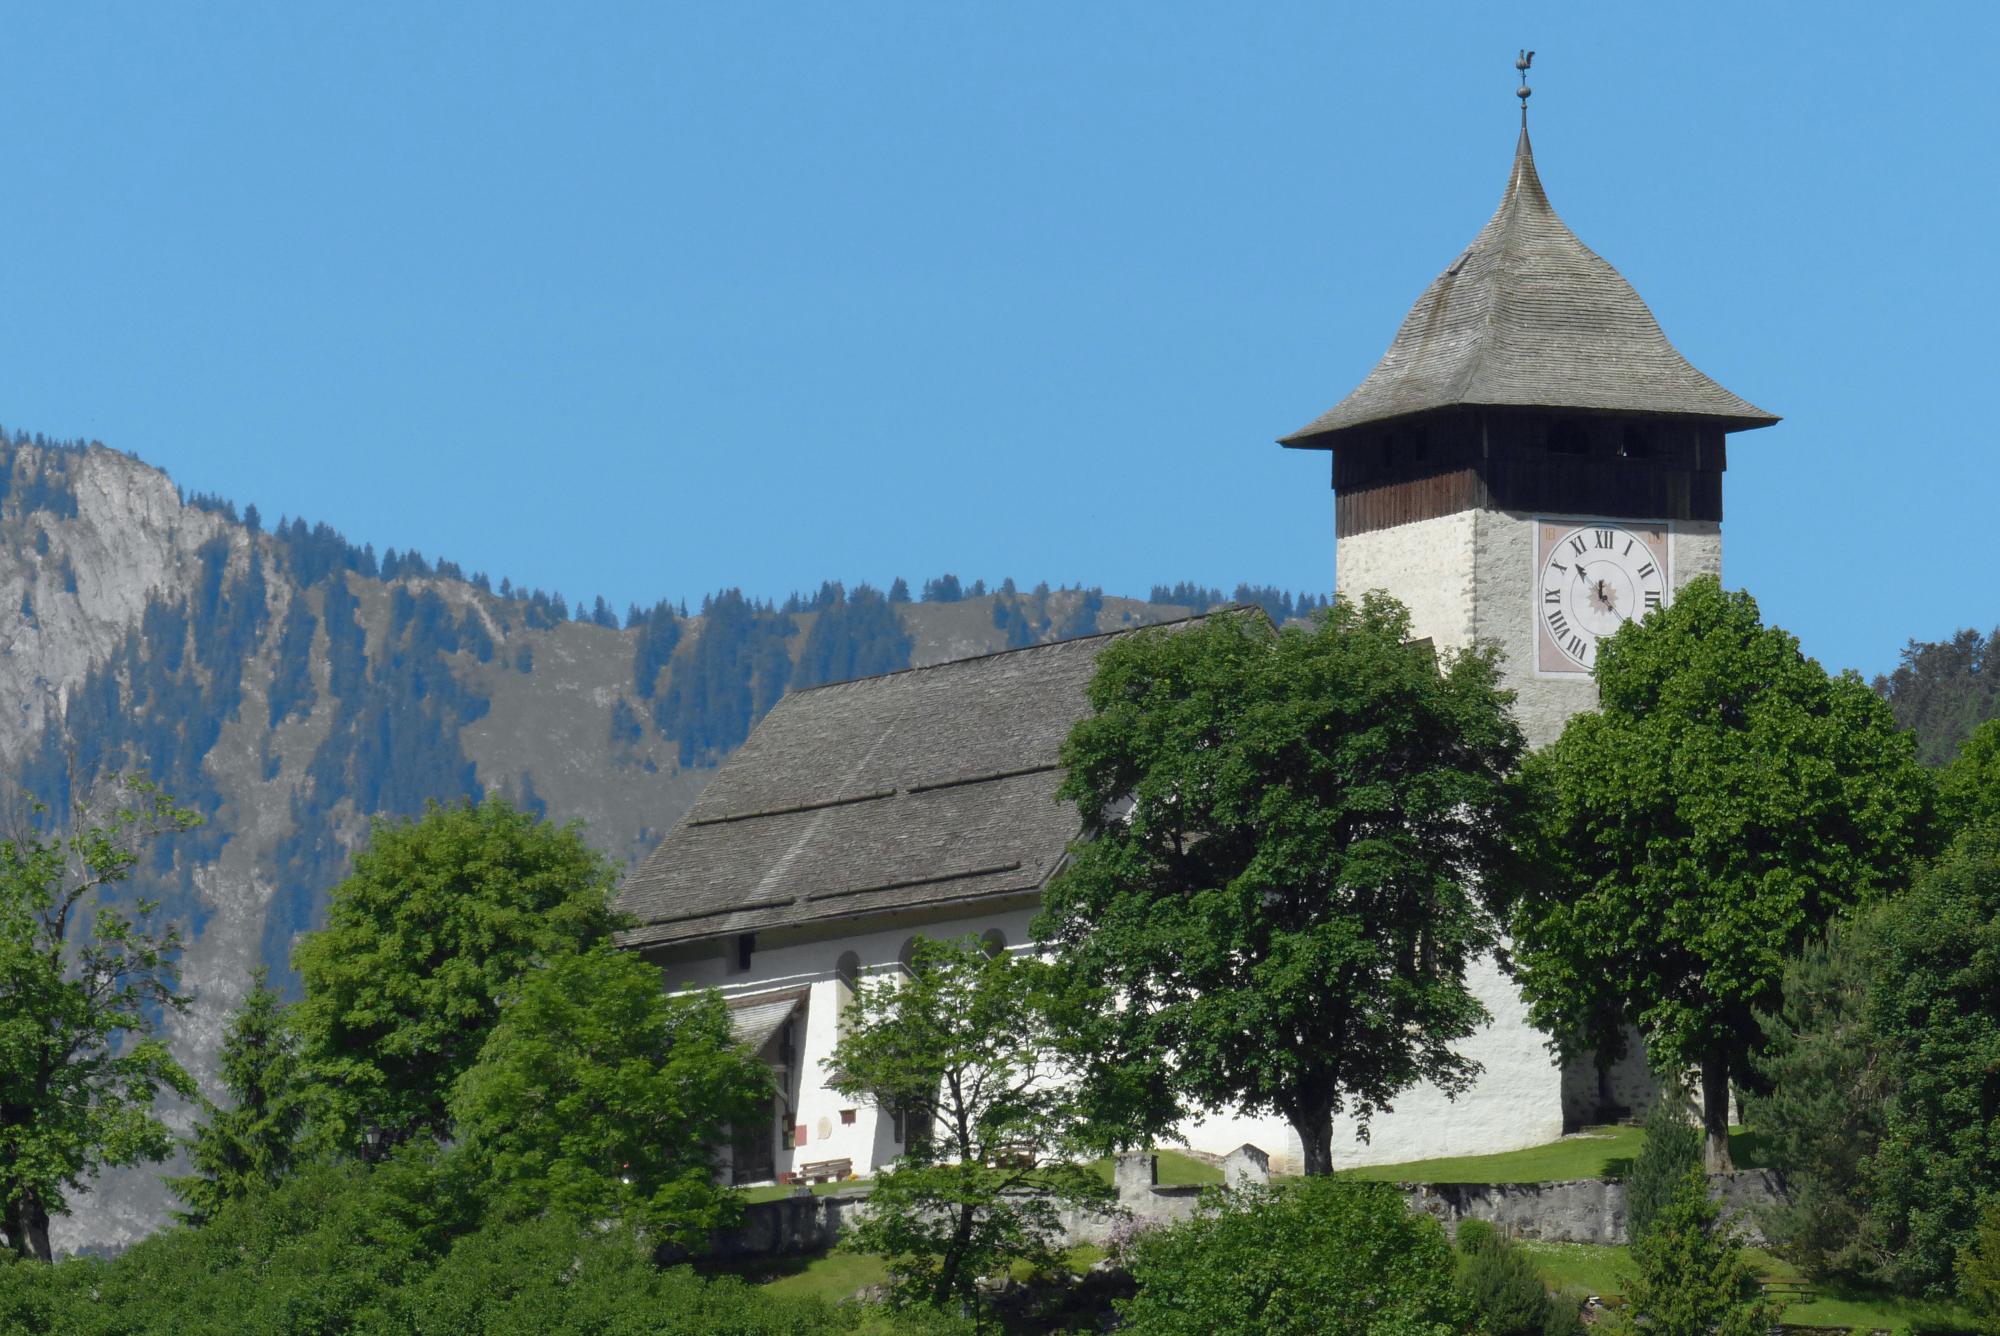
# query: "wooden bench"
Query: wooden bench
823,1171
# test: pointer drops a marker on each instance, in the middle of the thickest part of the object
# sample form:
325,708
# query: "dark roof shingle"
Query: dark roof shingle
912,788
1529,316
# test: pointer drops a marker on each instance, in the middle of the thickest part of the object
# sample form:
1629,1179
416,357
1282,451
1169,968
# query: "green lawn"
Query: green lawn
1588,1269
777,1191
1175,1170
1596,1152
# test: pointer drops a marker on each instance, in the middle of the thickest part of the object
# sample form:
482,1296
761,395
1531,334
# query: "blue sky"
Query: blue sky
647,300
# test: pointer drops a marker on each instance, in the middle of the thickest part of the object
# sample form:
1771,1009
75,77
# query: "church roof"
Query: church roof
916,788
1530,317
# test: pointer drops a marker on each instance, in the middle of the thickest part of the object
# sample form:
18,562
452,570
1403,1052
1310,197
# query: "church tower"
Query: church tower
1532,462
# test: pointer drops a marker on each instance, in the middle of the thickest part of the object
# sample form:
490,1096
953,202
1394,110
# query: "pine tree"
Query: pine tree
254,1143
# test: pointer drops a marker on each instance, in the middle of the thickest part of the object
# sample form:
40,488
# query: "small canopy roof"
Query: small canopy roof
753,1023
1530,317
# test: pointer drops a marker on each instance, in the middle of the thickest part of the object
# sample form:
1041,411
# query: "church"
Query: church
1530,464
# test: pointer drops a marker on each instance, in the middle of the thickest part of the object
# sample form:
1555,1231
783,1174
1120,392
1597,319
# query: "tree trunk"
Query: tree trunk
1315,1129
27,1226
1715,1112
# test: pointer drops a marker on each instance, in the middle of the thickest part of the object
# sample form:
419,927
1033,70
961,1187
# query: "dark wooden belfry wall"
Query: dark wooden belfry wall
1563,463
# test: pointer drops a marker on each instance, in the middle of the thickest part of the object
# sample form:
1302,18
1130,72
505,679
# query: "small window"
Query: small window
907,954
993,942
741,951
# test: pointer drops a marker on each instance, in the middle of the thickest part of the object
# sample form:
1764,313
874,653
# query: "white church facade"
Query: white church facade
1530,464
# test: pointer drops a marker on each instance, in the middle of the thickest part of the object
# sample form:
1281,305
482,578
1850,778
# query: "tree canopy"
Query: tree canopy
1286,834
434,927
598,1095
961,1049
1727,801
82,984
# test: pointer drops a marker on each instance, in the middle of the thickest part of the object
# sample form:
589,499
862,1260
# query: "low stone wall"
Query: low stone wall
1584,1210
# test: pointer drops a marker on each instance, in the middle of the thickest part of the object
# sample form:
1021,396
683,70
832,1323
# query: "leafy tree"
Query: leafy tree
962,1048
1969,787
254,1143
1286,833
1315,1257
1728,800
1935,1010
1942,690
600,1096
436,923
1979,1271
1671,1151
1827,1085
82,984
1691,1276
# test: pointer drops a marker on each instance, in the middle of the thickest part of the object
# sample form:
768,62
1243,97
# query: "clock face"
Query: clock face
1594,577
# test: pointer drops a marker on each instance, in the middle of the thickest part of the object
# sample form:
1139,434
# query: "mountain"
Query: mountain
290,686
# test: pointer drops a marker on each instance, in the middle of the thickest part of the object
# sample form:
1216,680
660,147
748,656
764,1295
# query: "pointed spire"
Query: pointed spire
1529,317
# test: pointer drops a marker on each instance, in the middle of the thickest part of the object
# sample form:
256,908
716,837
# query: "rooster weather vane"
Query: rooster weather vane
1525,59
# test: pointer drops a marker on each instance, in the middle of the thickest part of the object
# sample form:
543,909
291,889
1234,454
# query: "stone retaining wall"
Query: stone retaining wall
1584,1210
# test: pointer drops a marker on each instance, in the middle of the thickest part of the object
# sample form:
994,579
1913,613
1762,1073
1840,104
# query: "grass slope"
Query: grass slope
1596,1152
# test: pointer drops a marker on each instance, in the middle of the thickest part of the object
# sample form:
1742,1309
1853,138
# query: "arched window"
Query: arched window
993,942
846,990
906,954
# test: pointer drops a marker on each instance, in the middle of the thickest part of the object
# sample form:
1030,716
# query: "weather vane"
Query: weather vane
1526,59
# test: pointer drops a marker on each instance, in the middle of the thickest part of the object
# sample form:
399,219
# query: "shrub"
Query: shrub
1318,1255
1979,1271
1672,1149
1692,1278
1506,1290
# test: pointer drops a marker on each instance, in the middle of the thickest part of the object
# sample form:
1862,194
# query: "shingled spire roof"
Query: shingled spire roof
1530,317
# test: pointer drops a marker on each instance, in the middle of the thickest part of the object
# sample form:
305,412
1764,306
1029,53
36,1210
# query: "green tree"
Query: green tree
1505,1288
82,981
1969,787
1935,1010
1943,689
1979,1271
1828,1084
436,923
252,1144
1286,831
1315,1257
962,1048
1728,800
1691,1277
599,1095
1672,1149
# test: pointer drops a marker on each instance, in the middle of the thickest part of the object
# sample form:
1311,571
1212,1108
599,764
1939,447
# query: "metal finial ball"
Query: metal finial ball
1522,92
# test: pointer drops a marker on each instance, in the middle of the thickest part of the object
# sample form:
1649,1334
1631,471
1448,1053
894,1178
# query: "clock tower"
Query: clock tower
1532,462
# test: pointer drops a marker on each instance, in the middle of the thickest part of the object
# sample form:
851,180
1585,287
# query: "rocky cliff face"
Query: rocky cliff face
290,687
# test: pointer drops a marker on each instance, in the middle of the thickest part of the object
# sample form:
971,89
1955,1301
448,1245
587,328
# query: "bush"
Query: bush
1673,1149
1979,1271
1506,1289
1318,1255
1692,1278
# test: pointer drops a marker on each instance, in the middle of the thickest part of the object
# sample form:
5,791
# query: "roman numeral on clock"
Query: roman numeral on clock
1559,623
1554,596
1576,543
1647,571
1605,538
1652,599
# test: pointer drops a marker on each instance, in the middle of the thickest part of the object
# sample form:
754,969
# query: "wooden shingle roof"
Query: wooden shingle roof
914,788
1530,317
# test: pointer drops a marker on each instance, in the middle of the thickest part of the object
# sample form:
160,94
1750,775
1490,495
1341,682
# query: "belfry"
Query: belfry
1531,463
